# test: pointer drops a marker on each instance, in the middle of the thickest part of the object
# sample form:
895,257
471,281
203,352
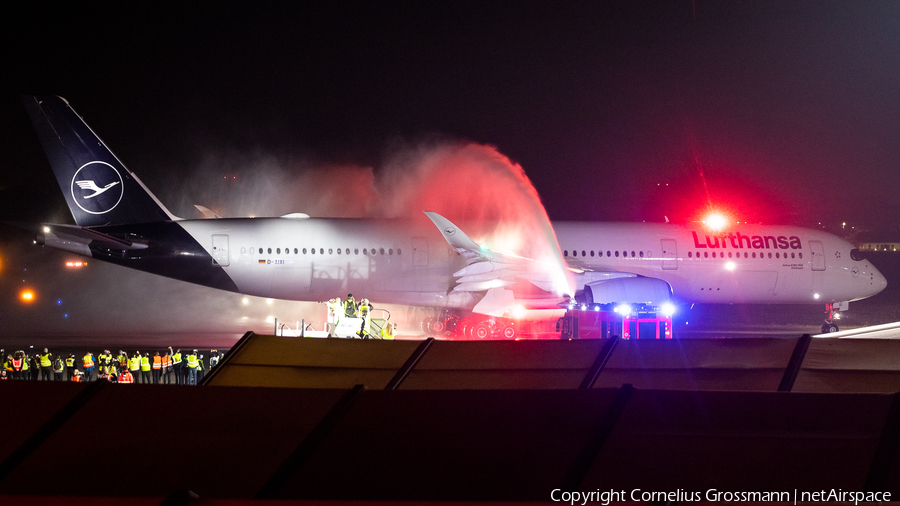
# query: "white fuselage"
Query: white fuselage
743,264
397,262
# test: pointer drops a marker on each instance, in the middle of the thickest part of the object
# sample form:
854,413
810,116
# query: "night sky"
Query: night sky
782,112
779,112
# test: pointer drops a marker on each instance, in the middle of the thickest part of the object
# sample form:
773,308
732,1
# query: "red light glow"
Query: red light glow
76,264
27,296
716,221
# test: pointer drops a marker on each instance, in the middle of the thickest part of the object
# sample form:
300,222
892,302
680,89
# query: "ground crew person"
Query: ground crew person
334,308
88,363
17,364
77,376
35,366
157,368
8,364
145,368
126,377
70,366
350,306
365,310
214,358
192,363
46,365
201,368
58,369
134,365
25,373
388,331
167,369
123,360
178,366
105,359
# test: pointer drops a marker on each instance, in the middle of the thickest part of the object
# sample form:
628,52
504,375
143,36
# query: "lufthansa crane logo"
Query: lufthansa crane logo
449,231
97,187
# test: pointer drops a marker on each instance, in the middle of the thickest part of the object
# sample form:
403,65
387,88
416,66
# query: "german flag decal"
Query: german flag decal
262,262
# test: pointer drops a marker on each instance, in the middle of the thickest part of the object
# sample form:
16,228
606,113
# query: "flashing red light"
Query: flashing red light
27,296
716,221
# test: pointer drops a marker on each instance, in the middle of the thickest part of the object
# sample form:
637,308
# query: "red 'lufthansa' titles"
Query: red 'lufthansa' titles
737,240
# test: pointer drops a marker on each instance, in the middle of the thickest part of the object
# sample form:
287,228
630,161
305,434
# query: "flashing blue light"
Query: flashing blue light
58,302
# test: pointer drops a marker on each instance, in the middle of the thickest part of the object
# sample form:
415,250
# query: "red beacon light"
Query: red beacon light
716,221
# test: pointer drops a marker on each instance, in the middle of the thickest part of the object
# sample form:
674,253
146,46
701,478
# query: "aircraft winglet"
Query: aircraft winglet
452,234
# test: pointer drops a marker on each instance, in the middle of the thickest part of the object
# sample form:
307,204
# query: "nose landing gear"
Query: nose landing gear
831,314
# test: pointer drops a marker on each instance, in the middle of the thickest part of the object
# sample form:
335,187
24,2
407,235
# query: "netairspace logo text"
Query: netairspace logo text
606,497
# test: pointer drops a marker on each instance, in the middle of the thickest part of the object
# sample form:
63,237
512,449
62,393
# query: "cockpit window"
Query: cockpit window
855,254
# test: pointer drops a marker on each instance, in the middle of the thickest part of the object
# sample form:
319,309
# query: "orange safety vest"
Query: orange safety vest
76,378
167,362
157,362
126,377
17,364
88,361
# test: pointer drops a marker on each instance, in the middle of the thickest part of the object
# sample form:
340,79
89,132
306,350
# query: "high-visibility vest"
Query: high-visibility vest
157,362
192,361
17,364
58,365
123,361
7,364
350,308
45,360
25,365
88,361
134,363
76,378
126,377
70,362
167,362
176,358
145,363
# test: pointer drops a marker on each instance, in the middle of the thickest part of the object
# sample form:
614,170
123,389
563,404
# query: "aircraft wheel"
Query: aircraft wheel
463,328
509,332
426,324
481,331
828,328
438,326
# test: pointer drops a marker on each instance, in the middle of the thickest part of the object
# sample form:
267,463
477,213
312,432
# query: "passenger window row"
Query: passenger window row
585,253
321,251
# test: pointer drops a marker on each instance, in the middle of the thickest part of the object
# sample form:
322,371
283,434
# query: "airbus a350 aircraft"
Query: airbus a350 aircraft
294,257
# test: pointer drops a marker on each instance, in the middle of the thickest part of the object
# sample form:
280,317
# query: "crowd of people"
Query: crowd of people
170,367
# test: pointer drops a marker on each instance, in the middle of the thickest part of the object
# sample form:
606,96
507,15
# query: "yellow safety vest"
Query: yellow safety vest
70,362
88,361
145,363
134,363
193,363
45,360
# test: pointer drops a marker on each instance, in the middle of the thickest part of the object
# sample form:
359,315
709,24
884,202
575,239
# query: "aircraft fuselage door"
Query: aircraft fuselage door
220,250
670,254
818,255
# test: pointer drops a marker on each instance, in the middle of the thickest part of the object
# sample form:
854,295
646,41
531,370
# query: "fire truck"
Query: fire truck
605,321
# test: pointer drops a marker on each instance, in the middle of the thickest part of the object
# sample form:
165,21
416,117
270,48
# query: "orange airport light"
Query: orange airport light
27,296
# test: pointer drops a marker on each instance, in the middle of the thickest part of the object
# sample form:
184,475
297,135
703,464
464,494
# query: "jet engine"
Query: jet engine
633,290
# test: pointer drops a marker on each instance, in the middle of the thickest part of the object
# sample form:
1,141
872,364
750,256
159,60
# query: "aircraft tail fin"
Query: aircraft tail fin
98,188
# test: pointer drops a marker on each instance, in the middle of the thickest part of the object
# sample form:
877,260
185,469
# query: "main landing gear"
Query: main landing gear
831,314
472,326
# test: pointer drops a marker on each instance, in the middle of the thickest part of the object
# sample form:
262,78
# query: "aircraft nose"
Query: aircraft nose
879,282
